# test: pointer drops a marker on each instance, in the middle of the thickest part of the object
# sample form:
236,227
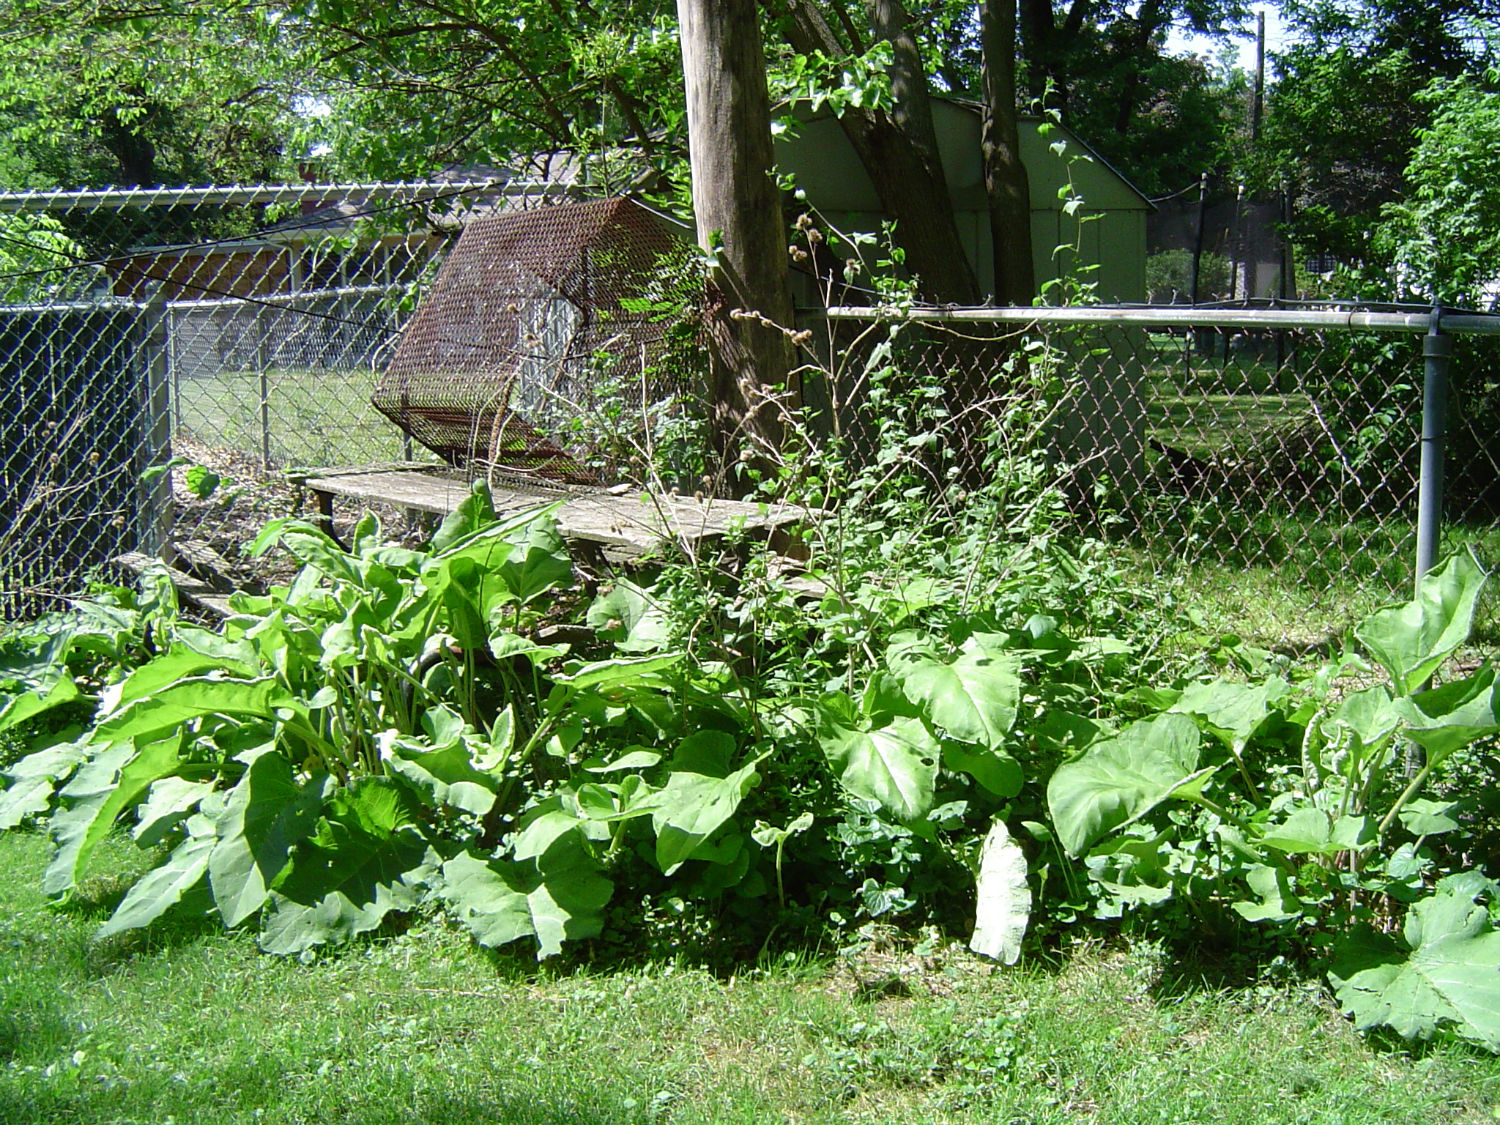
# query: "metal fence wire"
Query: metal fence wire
166,356
546,342
1282,448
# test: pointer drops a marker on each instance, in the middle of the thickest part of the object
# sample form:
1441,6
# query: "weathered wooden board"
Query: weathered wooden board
628,524
190,589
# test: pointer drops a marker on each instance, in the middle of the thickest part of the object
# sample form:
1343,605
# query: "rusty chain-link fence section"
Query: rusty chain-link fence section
166,355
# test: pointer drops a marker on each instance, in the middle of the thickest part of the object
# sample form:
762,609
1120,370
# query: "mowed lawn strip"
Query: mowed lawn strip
192,1025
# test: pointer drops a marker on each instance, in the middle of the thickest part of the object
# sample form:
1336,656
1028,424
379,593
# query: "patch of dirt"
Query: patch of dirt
237,501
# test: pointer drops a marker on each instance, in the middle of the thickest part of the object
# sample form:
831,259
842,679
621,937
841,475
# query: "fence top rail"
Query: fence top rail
1166,317
113,199
288,300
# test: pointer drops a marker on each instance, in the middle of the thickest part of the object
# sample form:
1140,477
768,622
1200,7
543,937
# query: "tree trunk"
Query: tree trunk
899,154
1005,177
738,212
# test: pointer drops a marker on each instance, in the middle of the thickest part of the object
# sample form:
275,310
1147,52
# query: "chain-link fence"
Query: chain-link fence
166,354
1267,460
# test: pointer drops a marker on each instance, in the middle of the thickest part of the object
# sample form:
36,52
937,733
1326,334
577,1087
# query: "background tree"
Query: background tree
1346,111
1443,234
417,84
1105,67
92,94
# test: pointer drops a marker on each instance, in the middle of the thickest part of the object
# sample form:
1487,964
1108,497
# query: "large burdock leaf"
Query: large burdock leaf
1123,778
366,859
1450,717
444,775
996,770
1412,640
168,803
163,887
266,814
1448,976
700,795
558,897
114,780
895,764
1234,712
31,781
540,562
1004,897
974,698
29,704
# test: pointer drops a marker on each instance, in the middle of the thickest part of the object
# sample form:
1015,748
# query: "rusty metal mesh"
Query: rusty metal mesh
544,342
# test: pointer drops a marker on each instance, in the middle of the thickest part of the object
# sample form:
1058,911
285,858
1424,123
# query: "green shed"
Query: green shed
824,165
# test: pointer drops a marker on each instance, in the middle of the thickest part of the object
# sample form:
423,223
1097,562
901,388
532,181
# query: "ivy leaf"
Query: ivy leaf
1123,778
1447,976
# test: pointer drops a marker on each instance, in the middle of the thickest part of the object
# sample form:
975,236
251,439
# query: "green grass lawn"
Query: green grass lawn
195,1026
315,417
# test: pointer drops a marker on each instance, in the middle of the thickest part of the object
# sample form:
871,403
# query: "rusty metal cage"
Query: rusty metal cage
545,342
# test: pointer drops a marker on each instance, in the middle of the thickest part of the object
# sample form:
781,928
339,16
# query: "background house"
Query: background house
825,166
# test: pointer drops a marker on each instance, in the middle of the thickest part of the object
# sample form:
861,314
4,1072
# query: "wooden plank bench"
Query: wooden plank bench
192,590
623,524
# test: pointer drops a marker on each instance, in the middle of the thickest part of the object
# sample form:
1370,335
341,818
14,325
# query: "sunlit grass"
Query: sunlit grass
192,1025
312,417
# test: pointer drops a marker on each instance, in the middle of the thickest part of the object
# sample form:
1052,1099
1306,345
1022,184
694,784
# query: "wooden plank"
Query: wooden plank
630,523
201,557
188,587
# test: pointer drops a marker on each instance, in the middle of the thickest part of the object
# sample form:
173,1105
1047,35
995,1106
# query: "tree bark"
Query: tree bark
903,165
1005,178
738,212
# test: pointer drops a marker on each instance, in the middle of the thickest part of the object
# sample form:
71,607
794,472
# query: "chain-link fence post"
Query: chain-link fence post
263,382
1437,349
155,514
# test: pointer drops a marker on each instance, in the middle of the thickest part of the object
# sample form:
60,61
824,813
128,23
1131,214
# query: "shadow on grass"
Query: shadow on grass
30,1022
